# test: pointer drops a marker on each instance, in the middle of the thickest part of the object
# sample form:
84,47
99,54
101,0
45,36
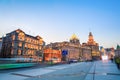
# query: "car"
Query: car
73,61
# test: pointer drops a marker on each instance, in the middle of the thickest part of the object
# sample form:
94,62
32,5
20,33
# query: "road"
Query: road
76,71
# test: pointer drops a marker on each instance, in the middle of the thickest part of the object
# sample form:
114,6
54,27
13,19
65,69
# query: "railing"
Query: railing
9,63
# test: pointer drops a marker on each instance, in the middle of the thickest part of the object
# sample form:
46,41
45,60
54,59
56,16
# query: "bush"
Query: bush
117,60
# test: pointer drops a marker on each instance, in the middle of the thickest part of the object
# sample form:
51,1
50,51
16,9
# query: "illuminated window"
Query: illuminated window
19,52
30,46
41,41
37,42
26,45
21,36
27,39
33,41
36,47
20,44
40,47
12,51
13,37
12,43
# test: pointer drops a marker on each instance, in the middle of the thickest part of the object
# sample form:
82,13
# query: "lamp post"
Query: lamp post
91,52
51,53
68,50
80,53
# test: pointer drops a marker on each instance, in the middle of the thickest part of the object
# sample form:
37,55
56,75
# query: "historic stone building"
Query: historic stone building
74,39
52,55
110,52
117,51
20,44
86,52
93,46
0,44
73,48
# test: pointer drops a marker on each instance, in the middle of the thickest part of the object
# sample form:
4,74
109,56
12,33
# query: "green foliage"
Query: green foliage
118,47
117,60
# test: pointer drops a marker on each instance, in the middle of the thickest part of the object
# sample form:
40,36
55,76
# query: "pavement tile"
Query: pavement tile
104,71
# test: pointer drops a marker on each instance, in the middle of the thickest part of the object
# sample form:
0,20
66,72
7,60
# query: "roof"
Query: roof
90,34
74,37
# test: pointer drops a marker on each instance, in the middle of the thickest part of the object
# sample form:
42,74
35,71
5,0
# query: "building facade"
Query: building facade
86,53
93,46
20,44
72,47
117,51
110,52
0,44
52,55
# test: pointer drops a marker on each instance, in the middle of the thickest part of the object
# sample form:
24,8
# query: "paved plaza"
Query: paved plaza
97,70
103,70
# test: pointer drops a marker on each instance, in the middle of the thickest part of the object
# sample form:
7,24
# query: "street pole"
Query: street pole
91,52
51,53
68,56
94,72
80,54
51,57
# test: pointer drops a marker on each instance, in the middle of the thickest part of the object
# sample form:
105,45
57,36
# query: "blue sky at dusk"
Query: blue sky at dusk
57,20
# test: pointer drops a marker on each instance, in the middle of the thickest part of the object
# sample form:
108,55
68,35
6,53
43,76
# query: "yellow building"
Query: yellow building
93,46
86,53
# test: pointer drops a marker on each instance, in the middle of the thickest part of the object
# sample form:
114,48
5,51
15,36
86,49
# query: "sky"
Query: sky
57,20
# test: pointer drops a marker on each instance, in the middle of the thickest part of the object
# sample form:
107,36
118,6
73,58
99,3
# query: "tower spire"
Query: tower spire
90,34
91,39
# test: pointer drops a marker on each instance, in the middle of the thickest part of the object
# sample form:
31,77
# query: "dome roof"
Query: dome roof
74,37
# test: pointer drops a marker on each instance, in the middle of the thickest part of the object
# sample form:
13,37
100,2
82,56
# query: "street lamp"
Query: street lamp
91,52
51,53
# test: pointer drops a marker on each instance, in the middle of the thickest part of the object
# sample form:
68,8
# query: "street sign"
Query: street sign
64,52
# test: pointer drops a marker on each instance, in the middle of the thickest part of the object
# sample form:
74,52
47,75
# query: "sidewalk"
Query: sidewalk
103,70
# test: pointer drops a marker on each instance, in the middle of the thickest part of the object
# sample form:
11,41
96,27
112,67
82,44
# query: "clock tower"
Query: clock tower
94,47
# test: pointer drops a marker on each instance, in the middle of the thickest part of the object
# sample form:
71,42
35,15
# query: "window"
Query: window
26,45
20,44
21,36
12,51
13,37
12,43
19,52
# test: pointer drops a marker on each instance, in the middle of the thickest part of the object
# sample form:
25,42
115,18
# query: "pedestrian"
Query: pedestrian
112,60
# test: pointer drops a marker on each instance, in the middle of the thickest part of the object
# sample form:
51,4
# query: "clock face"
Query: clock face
21,36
